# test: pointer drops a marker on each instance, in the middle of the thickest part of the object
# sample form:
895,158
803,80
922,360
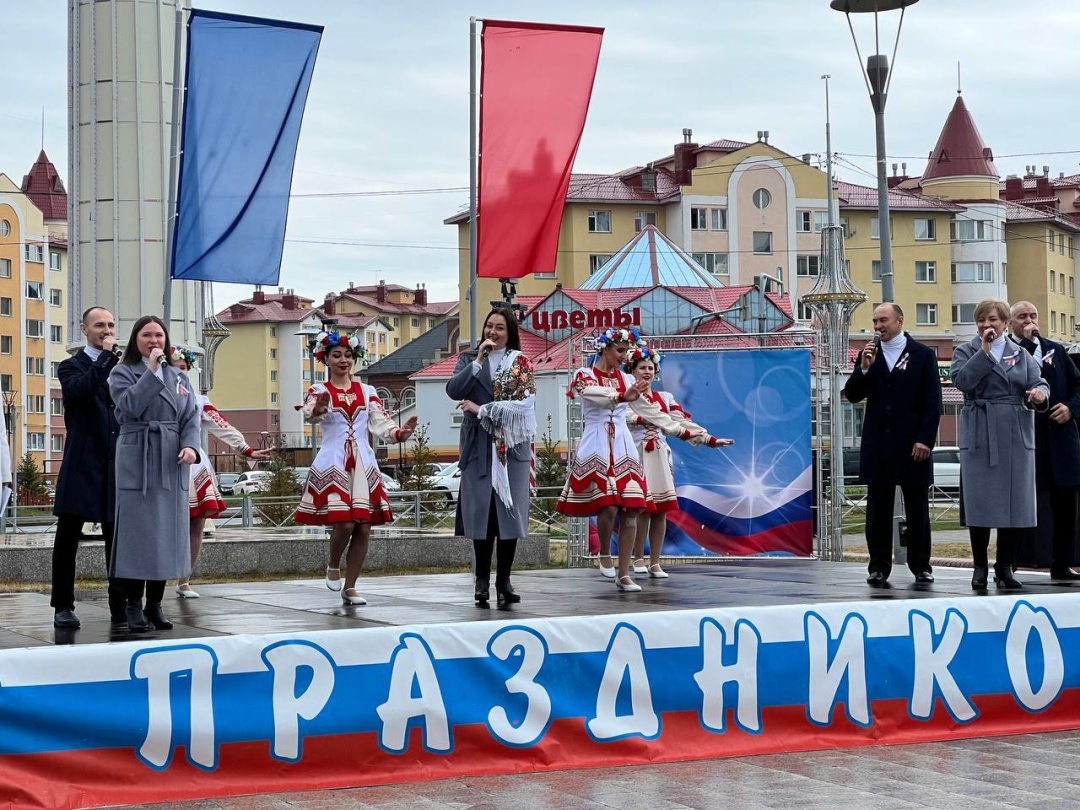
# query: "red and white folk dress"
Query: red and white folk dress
343,483
655,453
204,497
606,470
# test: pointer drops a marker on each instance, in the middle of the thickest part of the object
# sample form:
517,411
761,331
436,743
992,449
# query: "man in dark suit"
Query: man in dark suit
898,378
1057,451
86,486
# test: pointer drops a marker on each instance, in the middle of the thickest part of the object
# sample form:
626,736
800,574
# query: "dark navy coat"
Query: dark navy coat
86,485
903,407
1057,447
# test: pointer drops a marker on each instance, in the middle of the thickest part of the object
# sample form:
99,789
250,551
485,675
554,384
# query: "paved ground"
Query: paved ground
1037,771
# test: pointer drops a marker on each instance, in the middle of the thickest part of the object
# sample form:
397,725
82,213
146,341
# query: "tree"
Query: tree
421,474
550,472
281,487
32,489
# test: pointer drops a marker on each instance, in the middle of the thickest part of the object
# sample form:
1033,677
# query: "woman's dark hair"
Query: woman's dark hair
513,335
637,360
131,353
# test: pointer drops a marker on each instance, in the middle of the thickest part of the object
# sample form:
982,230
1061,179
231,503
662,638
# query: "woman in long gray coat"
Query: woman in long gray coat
495,389
1001,383
159,439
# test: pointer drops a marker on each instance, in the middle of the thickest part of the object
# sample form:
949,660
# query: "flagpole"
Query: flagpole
473,149
174,149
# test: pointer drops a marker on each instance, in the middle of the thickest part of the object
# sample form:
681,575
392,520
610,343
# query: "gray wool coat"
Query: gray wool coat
997,435
157,419
477,497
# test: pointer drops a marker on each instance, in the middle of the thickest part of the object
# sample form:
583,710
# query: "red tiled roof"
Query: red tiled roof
865,197
960,151
1017,212
436,308
271,311
45,189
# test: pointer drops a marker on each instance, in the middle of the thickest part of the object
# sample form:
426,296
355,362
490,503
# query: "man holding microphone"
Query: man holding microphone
898,378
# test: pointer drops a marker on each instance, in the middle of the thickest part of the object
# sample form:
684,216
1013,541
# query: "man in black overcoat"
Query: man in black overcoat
86,486
1057,451
898,378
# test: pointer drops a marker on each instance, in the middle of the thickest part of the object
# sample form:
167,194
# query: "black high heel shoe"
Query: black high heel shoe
1005,580
482,592
978,578
506,593
156,617
136,619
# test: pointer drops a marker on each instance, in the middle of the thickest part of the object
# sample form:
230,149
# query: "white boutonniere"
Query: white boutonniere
1011,360
1048,358
902,363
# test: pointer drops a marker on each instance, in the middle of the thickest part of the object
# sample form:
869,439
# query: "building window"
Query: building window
273,376
5,344
57,442
1072,288
273,331
430,323
926,272
762,241
415,323
875,270
804,221
598,260
1072,324
1061,282
5,268
5,382
1053,321
715,263
35,290
1004,273
273,397
382,338
56,334
397,321
643,218
35,441
718,219
1061,248
35,328
1063,323
55,297
804,312
34,253
273,354
1072,247
807,265
976,271
926,229
54,370
926,314
963,313
35,365
35,403
56,406
1053,276
307,376
552,274
969,230
599,222
5,228
821,219
699,219
397,342
762,199
54,260
5,306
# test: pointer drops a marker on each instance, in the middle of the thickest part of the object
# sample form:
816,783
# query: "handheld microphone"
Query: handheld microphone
877,342
1034,335
989,335
485,352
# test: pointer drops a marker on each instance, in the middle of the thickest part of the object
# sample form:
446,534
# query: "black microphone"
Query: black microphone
877,342
485,352
989,336
1034,335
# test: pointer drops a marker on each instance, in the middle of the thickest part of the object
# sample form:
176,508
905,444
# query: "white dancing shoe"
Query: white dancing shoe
350,596
642,568
333,584
605,570
627,584
185,591
656,572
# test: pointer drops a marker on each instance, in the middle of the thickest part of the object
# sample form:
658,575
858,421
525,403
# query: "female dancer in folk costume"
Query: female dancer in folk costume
496,389
606,478
344,487
656,460
204,497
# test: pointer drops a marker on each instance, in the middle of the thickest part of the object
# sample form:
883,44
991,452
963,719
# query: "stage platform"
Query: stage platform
272,686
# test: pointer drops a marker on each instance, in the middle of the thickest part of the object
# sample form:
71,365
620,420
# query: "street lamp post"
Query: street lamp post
877,78
10,414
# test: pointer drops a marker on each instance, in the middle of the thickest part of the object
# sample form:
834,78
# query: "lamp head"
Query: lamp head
869,6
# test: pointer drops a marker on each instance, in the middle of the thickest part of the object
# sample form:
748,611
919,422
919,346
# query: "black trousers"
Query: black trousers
133,590
1007,542
504,549
65,550
879,514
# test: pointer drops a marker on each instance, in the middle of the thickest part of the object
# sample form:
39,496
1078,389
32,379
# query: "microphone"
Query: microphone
989,335
877,342
485,352
1034,335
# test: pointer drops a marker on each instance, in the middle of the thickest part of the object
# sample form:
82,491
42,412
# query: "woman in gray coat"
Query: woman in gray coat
495,389
159,438
1001,383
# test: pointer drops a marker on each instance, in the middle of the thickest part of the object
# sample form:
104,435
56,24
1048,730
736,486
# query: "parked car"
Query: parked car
300,474
946,467
251,481
449,481
389,483
225,482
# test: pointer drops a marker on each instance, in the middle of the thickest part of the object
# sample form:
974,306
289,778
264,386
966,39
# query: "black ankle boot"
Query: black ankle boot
506,593
978,577
136,619
1004,579
482,591
156,617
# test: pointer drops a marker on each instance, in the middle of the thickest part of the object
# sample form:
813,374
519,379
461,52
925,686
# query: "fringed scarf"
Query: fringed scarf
510,418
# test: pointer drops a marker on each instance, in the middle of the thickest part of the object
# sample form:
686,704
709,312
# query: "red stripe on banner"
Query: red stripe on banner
92,778
794,538
535,85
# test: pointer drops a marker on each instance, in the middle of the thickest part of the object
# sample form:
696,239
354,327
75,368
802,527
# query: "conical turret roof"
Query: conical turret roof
960,151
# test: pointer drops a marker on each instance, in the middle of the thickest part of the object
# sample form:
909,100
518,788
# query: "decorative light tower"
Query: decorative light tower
833,299
877,79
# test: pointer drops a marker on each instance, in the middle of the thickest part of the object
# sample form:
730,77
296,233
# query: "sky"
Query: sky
386,129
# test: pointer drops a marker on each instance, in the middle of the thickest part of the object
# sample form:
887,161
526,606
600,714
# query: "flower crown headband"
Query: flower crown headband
183,353
643,352
613,335
325,341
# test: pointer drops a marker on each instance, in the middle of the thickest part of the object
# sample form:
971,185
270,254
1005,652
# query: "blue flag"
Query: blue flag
246,84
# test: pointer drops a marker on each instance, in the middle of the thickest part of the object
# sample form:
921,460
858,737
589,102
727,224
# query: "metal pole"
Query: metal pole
174,156
877,71
473,149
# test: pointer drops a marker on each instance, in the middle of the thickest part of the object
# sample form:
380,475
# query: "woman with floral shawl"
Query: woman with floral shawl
495,389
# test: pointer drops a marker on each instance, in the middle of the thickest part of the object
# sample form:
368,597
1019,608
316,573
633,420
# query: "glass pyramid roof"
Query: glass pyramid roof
650,259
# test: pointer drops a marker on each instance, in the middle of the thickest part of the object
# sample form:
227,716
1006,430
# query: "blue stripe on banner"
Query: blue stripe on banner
246,85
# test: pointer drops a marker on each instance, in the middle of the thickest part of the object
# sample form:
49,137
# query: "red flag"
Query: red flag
535,85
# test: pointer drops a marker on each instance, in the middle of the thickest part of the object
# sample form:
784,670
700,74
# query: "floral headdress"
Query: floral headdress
613,335
183,353
642,352
325,341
